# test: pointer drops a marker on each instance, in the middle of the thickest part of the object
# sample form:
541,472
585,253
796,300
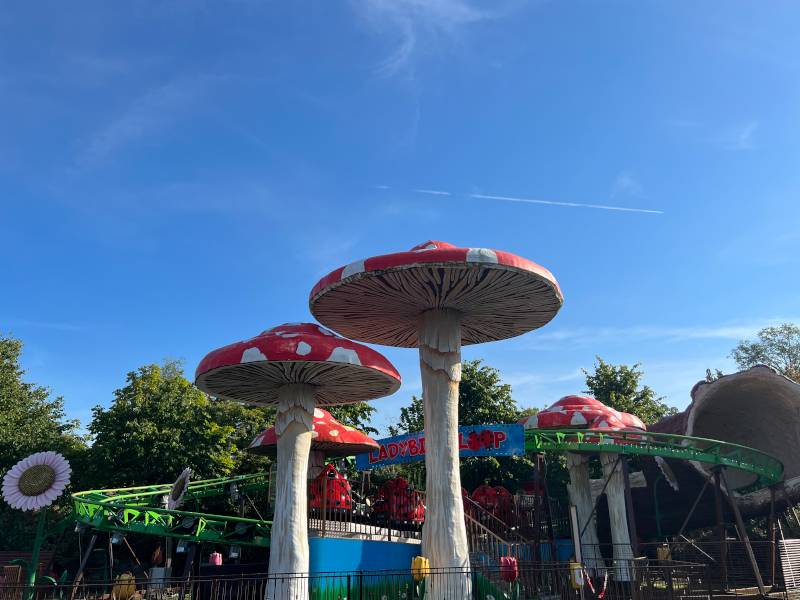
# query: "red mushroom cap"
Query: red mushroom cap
579,412
254,370
377,300
329,436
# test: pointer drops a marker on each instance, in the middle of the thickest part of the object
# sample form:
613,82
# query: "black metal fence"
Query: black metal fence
732,575
642,580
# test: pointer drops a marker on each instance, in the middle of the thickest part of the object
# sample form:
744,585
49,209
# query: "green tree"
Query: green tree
358,415
778,347
159,424
619,388
31,420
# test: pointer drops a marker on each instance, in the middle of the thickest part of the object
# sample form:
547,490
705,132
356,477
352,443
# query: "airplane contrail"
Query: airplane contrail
431,192
658,212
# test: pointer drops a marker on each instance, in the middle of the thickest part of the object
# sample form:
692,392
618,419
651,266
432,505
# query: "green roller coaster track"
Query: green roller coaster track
137,510
766,467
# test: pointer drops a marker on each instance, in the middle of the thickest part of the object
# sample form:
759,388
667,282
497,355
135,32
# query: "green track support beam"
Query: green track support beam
766,467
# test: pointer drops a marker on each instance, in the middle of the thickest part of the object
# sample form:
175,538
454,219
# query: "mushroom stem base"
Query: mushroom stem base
615,493
580,494
444,536
289,551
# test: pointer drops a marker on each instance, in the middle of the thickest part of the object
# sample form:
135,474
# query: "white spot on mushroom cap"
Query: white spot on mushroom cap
324,331
554,409
578,419
290,335
532,423
303,348
348,428
252,355
428,247
318,413
333,432
344,355
481,255
353,268
314,434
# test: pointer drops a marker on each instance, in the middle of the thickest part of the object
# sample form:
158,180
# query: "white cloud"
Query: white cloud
146,117
740,138
419,25
626,184
625,335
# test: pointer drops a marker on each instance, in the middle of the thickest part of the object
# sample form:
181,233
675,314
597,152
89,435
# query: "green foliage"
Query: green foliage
31,420
618,387
160,424
712,377
778,347
358,415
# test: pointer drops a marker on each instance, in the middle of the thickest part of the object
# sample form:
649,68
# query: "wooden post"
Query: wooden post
168,562
241,515
136,558
537,533
691,512
721,534
79,574
742,531
110,558
772,536
546,500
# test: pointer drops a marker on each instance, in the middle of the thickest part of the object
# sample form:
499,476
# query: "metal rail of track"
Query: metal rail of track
714,452
138,510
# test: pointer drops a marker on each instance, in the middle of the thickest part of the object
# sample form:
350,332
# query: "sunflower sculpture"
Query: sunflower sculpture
179,489
36,481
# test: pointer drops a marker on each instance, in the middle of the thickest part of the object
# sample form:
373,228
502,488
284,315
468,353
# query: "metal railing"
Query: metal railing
651,582
734,577
391,512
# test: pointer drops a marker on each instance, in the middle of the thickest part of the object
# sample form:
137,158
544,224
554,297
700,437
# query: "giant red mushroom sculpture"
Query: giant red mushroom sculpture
330,439
437,297
295,367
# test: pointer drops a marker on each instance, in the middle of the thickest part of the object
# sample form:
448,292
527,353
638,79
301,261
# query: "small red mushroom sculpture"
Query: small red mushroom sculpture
296,367
330,439
436,298
584,412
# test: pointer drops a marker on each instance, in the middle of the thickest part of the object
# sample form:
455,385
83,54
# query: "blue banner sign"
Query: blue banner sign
473,440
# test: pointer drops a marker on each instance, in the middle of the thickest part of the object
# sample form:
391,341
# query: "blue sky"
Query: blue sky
176,175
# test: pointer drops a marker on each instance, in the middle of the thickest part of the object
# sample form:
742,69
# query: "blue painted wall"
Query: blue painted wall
330,554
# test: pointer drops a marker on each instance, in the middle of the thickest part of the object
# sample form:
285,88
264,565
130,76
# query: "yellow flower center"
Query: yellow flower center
37,480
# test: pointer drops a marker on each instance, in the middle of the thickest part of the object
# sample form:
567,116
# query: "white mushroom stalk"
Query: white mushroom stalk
289,548
444,533
437,297
295,367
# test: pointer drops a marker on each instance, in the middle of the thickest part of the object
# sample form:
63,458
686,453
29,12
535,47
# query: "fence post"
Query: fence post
324,508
